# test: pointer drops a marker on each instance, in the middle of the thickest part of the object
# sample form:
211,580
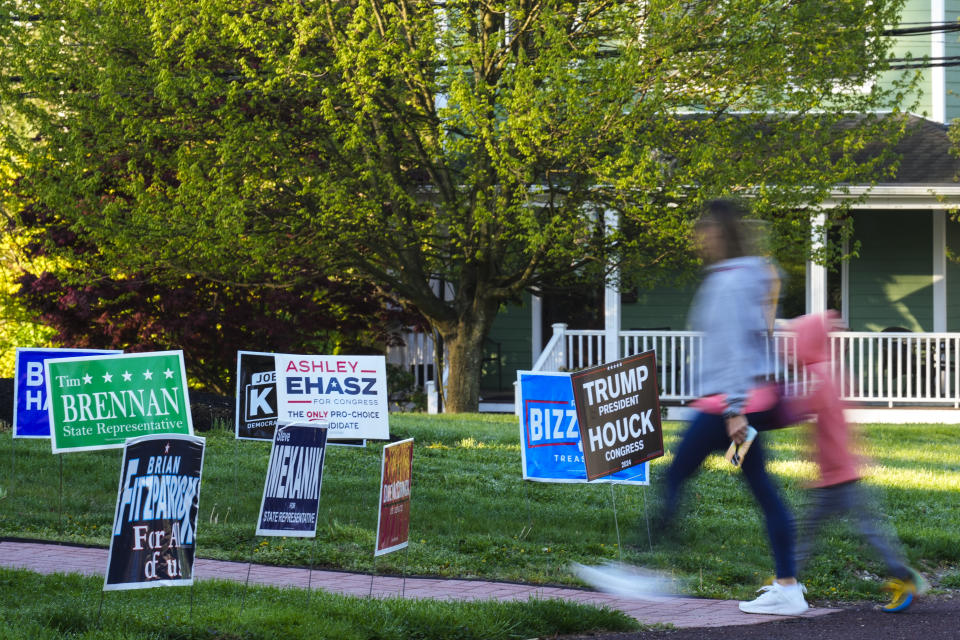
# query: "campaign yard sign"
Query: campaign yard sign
618,408
552,450
98,402
291,492
396,477
155,522
31,410
346,393
256,407
255,417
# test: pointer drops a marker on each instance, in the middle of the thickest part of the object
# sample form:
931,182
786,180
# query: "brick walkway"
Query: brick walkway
680,612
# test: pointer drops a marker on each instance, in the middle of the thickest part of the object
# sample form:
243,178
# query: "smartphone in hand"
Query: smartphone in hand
737,452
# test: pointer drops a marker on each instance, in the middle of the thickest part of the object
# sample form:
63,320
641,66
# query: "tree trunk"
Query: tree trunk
464,343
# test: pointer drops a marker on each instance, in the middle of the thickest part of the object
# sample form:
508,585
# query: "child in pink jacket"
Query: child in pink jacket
837,490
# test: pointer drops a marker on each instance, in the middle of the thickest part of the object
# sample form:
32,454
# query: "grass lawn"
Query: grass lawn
34,607
472,516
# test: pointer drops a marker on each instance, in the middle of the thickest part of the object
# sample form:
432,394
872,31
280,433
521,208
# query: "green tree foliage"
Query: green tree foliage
56,282
55,273
481,144
19,326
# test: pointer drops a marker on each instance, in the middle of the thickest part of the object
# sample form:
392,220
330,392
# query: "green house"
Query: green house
904,278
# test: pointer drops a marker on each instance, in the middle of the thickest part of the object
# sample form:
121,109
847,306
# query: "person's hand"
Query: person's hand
737,428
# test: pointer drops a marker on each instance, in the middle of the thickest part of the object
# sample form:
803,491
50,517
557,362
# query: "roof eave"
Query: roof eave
933,197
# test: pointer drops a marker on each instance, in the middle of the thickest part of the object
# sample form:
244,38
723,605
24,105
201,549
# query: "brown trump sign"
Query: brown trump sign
618,409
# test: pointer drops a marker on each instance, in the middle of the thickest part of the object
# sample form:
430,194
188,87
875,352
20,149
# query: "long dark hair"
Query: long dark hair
727,215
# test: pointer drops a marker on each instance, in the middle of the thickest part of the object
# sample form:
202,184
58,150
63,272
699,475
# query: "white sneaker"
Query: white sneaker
627,581
775,599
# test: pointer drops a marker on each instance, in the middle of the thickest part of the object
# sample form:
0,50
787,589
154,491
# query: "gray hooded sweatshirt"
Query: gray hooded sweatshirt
732,308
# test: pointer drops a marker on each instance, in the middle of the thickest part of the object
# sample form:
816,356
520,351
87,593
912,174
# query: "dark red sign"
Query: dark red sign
393,523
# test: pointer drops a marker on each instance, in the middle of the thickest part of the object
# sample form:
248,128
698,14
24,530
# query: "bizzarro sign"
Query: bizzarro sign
98,402
618,408
550,446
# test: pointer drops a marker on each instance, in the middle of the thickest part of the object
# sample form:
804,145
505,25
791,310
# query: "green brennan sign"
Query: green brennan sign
98,402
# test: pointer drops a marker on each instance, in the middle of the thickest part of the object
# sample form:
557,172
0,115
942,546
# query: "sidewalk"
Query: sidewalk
680,612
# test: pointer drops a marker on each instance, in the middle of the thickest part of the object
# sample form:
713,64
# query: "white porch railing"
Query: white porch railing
872,368
416,355
898,368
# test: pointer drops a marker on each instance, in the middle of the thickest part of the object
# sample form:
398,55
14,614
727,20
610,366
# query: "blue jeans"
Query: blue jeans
706,434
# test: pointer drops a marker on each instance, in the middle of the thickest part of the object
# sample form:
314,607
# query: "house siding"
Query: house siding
916,12
512,329
952,48
891,282
953,275
658,308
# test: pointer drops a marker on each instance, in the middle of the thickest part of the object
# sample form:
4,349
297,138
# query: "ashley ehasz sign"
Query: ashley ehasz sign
256,402
618,409
348,394
98,402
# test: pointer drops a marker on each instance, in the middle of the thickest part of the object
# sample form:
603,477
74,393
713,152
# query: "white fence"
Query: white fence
872,368
895,369
416,355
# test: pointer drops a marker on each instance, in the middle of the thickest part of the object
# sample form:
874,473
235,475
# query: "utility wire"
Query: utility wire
933,27
931,63
915,29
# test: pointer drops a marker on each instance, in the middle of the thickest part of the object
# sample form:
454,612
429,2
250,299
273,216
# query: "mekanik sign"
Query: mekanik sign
99,402
291,492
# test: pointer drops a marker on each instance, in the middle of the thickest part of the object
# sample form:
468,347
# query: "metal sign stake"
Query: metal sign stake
643,492
313,553
616,522
246,583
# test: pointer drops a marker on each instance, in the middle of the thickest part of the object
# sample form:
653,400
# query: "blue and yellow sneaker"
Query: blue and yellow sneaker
902,594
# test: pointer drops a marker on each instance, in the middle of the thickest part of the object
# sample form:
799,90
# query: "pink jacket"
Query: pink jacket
831,435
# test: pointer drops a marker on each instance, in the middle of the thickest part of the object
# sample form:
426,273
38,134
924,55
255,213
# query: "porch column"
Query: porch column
939,271
817,273
611,304
611,321
536,331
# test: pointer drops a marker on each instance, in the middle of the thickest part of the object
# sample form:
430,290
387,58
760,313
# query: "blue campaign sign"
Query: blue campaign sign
291,493
550,435
30,416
